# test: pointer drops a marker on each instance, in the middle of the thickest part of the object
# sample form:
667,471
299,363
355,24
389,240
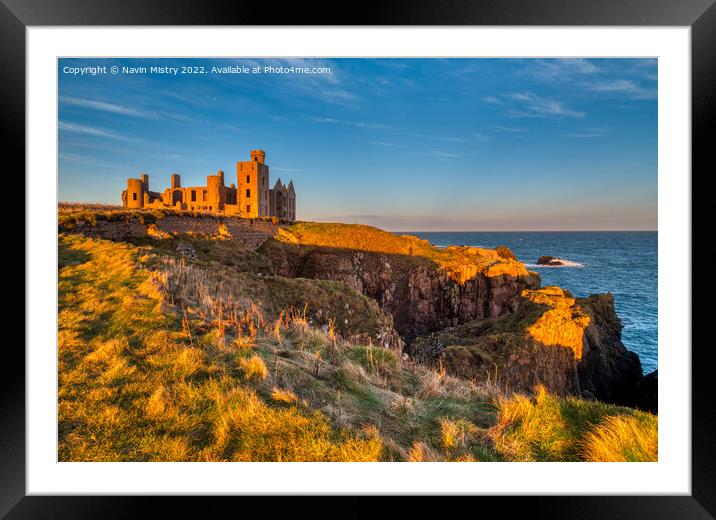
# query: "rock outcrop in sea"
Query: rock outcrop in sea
549,260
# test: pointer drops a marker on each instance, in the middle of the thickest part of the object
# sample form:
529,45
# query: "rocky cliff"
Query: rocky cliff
572,346
478,313
424,288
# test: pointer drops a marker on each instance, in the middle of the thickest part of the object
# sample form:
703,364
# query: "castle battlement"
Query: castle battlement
250,197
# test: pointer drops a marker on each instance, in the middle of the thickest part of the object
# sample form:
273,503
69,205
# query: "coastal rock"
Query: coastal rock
647,392
571,346
549,260
607,370
421,295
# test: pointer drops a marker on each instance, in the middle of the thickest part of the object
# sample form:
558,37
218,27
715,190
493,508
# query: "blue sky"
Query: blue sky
402,144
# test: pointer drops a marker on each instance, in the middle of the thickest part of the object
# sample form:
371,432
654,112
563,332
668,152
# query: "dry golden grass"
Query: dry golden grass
253,367
147,374
283,396
134,384
67,207
421,452
623,439
223,292
549,428
456,433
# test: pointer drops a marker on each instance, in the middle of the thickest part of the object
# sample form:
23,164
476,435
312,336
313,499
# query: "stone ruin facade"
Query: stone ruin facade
250,197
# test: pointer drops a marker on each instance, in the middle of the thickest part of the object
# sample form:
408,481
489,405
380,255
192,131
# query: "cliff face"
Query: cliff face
570,346
476,312
422,287
607,370
421,295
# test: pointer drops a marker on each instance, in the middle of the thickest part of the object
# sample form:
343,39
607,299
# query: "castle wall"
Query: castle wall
135,193
215,195
252,188
251,198
249,233
290,206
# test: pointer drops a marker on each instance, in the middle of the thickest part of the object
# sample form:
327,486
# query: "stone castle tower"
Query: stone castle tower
250,197
253,185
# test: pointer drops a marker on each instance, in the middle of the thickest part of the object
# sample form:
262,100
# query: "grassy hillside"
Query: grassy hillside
166,359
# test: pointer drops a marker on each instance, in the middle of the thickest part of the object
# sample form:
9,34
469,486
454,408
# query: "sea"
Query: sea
622,263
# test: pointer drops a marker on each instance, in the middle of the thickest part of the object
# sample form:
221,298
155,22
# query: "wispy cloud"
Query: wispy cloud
590,132
120,109
90,130
71,156
474,136
279,169
85,160
165,155
439,154
560,69
105,106
532,105
331,87
492,100
357,124
510,129
480,137
387,144
232,128
443,138
625,87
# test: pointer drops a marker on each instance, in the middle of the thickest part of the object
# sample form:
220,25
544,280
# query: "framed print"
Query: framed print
295,259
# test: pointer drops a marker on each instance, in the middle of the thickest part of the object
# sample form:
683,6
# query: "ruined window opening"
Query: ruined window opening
193,195
248,178
248,193
134,196
248,208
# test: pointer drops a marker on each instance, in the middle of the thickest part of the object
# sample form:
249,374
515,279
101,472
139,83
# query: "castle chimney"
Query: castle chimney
145,181
220,173
175,181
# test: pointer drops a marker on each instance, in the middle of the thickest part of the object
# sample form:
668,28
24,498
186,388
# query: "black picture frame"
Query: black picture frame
700,15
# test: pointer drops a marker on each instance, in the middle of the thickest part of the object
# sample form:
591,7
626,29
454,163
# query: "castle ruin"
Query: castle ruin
250,197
